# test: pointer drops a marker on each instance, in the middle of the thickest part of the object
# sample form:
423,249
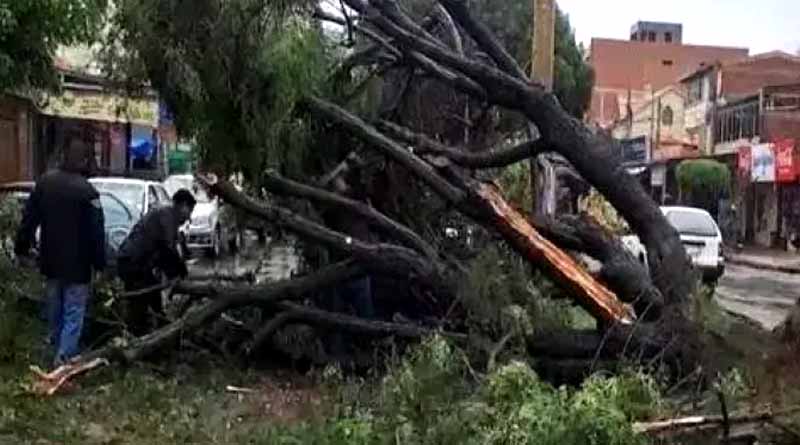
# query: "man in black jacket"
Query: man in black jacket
150,249
67,209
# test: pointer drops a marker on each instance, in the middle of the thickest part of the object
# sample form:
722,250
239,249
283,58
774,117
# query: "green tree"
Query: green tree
32,30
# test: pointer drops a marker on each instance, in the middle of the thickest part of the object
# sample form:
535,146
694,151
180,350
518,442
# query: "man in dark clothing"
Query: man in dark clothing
152,247
67,209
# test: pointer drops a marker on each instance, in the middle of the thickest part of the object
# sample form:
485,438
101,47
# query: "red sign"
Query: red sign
745,160
784,161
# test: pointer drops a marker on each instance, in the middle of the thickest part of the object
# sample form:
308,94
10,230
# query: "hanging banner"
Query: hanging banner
763,169
745,160
784,160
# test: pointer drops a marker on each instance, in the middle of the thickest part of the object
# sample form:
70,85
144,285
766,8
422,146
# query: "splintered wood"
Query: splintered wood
588,292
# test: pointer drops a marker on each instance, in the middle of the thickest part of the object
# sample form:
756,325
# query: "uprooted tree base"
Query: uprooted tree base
640,314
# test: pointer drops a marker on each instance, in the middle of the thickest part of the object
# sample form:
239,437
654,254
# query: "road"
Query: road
270,262
761,295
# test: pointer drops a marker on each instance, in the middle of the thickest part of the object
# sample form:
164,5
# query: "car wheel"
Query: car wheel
214,250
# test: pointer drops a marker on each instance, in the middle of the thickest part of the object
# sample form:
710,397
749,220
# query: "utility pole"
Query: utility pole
543,48
542,56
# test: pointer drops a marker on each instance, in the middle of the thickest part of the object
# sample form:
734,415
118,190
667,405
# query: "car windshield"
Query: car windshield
132,194
114,212
692,223
175,183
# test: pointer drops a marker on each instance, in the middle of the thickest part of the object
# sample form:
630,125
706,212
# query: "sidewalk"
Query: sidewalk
768,259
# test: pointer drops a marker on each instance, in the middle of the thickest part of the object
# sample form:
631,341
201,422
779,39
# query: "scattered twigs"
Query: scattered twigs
683,424
48,384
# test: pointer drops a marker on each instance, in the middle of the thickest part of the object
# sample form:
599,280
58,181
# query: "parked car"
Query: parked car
212,224
119,218
700,236
138,195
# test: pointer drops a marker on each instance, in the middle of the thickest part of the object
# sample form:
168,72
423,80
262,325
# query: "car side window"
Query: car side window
162,193
152,198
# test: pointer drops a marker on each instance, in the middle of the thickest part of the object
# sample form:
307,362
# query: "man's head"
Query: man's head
183,202
78,157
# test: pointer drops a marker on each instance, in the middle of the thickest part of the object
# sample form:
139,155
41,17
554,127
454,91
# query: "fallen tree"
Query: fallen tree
639,313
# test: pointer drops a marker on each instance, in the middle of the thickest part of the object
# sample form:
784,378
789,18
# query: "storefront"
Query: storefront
107,120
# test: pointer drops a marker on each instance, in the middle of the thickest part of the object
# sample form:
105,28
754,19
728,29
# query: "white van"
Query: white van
700,236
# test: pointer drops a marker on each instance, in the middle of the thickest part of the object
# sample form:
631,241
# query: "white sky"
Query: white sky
762,25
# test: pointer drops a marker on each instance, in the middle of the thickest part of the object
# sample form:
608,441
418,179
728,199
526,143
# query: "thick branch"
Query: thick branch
389,147
276,183
484,159
384,258
359,325
483,36
270,293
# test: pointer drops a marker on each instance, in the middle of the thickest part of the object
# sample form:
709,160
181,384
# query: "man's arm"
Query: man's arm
31,220
97,232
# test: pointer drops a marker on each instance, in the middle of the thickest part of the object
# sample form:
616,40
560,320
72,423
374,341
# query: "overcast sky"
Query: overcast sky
761,25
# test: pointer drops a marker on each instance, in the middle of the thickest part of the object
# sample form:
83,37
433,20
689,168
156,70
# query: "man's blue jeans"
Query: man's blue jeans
66,307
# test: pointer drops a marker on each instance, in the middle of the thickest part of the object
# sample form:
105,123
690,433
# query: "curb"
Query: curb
794,270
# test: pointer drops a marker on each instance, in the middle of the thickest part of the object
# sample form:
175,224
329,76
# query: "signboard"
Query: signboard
103,107
635,150
745,158
763,163
784,161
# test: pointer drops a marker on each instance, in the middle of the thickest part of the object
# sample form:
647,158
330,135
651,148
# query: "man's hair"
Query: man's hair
184,196
78,155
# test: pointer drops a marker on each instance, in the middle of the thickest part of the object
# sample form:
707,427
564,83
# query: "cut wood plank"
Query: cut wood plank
560,266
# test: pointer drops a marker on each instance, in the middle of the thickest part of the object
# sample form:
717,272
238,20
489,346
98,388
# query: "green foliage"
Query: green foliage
31,32
502,295
233,71
603,212
511,406
515,180
703,177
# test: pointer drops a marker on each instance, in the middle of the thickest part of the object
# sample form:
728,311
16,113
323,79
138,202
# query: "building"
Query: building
764,131
712,86
659,121
116,125
628,72
657,32
17,124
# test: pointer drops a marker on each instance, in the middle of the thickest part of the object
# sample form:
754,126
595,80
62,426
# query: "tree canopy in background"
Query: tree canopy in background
32,30
232,70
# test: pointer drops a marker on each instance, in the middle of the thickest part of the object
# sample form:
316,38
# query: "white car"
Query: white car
210,227
138,195
700,236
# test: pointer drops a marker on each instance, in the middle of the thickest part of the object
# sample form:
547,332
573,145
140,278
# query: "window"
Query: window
668,37
695,92
667,116
692,223
651,36
163,196
736,122
634,37
666,62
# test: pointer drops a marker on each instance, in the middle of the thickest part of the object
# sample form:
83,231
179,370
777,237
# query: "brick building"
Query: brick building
637,68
